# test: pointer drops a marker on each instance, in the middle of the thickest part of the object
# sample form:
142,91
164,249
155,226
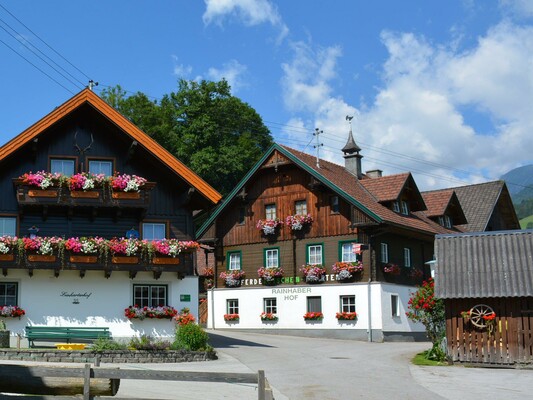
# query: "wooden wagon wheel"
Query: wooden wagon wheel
478,312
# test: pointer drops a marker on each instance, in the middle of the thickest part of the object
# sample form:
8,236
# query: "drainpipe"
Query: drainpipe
370,294
212,290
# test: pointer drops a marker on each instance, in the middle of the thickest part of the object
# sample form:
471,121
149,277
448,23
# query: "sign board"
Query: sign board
185,297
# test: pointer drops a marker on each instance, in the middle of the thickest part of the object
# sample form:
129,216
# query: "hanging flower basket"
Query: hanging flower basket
233,278
313,273
270,276
268,226
298,222
313,316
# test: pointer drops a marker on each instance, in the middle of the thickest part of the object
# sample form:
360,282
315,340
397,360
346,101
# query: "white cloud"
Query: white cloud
417,113
181,70
521,8
249,12
231,71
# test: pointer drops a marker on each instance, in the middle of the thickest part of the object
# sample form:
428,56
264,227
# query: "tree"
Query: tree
428,310
214,133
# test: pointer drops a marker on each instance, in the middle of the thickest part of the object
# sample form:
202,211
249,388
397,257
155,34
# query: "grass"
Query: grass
421,359
525,221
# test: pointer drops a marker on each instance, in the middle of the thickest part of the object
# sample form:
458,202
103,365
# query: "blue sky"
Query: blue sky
442,89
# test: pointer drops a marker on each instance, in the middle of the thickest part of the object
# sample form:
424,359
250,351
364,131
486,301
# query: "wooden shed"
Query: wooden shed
486,281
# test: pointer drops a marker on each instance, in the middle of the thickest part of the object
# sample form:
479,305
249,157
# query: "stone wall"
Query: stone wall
109,356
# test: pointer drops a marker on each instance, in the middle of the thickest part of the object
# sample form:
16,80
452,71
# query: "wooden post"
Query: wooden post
97,360
87,382
261,384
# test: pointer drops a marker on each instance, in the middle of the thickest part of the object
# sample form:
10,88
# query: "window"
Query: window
447,221
62,166
234,261
314,254
384,253
300,207
101,167
441,221
347,303
314,304
242,216
8,293
395,206
406,257
405,208
272,258
154,230
346,252
8,226
232,306
270,211
270,305
334,204
395,305
150,295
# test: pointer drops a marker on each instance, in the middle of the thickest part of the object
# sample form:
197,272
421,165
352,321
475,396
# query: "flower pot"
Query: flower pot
4,339
7,257
165,260
42,193
91,194
126,195
85,259
41,258
125,259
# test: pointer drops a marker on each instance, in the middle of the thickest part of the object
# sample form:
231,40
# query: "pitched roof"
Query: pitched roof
437,201
386,188
340,181
488,264
478,203
86,96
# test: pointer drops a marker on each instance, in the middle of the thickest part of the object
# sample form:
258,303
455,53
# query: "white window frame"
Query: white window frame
6,230
348,251
63,161
405,208
234,261
272,258
384,252
347,303
406,257
447,221
300,207
148,230
312,259
395,206
270,305
270,211
232,306
395,305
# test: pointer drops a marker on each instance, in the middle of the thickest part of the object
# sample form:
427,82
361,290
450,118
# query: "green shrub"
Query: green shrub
191,337
102,344
147,343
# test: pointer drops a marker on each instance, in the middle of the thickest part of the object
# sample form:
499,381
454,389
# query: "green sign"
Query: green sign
185,297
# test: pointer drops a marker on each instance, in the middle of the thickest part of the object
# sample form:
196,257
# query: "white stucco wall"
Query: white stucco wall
292,305
48,300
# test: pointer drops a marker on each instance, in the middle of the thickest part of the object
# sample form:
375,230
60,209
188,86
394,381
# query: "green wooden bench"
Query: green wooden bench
60,334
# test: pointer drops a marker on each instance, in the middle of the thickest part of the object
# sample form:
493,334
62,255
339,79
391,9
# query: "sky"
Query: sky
442,89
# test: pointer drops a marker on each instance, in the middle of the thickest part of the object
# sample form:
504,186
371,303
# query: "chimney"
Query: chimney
375,173
352,158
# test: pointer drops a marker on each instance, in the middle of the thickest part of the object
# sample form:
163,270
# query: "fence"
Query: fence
510,340
88,373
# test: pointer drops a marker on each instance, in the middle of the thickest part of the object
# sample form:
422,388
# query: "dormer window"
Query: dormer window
395,206
405,208
445,221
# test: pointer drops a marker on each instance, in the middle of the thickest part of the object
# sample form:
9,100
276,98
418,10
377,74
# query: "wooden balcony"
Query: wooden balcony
82,263
100,197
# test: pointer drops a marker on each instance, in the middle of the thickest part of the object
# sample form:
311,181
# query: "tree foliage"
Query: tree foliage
215,134
425,308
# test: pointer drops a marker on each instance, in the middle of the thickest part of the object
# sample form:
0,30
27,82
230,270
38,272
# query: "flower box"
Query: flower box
313,316
270,276
346,316
297,222
125,259
231,317
42,193
126,195
268,317
42,258
268,226
91,194
392,269
313,273
165,260
347,271
232,278
7,257
85,259
160,312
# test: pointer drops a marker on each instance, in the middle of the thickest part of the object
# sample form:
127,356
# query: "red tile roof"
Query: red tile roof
437,202
386,188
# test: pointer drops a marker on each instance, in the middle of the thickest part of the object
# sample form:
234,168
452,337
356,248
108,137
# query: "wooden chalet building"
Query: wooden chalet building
60,279
381,217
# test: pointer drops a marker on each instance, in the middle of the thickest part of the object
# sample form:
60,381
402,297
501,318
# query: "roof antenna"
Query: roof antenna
92,84
317,146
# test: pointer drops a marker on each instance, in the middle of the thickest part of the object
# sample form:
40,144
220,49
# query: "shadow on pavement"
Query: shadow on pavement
219,341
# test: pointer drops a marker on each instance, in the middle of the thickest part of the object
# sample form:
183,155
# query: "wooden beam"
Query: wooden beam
107,273
133,274
82,273
4,271
56,272
30,272
157,274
